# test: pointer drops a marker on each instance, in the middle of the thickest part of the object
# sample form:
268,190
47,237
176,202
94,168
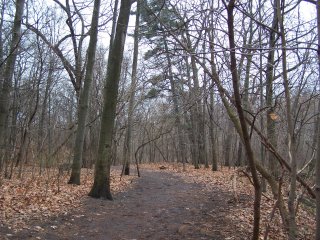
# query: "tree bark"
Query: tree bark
212,134
317,180
41,130
127,144
30,116
101,185
290,130
196,114
114,22
214,77
9,69
177,114
192,126
227,144
271,125
84,97
1,41
317,172
239,154
246,137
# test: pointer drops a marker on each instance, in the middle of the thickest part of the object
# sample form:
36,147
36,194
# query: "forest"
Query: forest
221,94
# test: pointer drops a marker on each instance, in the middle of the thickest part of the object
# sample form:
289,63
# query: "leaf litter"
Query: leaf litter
233,180
36,197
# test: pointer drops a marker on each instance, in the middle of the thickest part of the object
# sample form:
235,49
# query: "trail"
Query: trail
159,206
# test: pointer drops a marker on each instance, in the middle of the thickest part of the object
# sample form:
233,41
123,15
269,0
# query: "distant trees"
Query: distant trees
201,93
317,135
7,72
261,69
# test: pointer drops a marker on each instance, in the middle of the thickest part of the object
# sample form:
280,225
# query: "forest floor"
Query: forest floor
161,204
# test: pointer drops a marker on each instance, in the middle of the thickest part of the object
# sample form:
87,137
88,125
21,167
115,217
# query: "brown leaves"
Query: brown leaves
37,197
43,196
241,200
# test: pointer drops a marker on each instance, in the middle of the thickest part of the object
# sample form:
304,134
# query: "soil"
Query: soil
160,205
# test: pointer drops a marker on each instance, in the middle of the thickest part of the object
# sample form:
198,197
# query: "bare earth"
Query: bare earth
159,206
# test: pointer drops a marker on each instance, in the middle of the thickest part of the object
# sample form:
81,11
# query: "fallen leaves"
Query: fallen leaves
37,196
241,200
40,197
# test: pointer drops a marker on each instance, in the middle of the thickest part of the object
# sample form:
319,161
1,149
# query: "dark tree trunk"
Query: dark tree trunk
84,98
227,144
317,180
292,139
6,78
271,125
239,155
181,147
101,185
128,140
243,124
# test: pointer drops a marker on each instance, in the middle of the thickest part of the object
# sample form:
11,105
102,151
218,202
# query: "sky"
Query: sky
308,12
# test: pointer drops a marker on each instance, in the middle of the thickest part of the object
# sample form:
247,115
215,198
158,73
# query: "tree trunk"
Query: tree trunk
317,180
248,56
271,124
192,127
177,114
317,169
196,114
244,128
290,130
32,114
9,69
127,141
84,98
212,134
101,185
204,109
261,90
41,130
2,19
214,77
227,144
114,22
239,155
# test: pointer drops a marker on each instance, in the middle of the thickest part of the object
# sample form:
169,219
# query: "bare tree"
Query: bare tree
101,185
9,70
244,128
290,125
84,96
317,180
127,150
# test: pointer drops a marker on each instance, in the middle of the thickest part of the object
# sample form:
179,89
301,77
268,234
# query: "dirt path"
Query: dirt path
159,206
